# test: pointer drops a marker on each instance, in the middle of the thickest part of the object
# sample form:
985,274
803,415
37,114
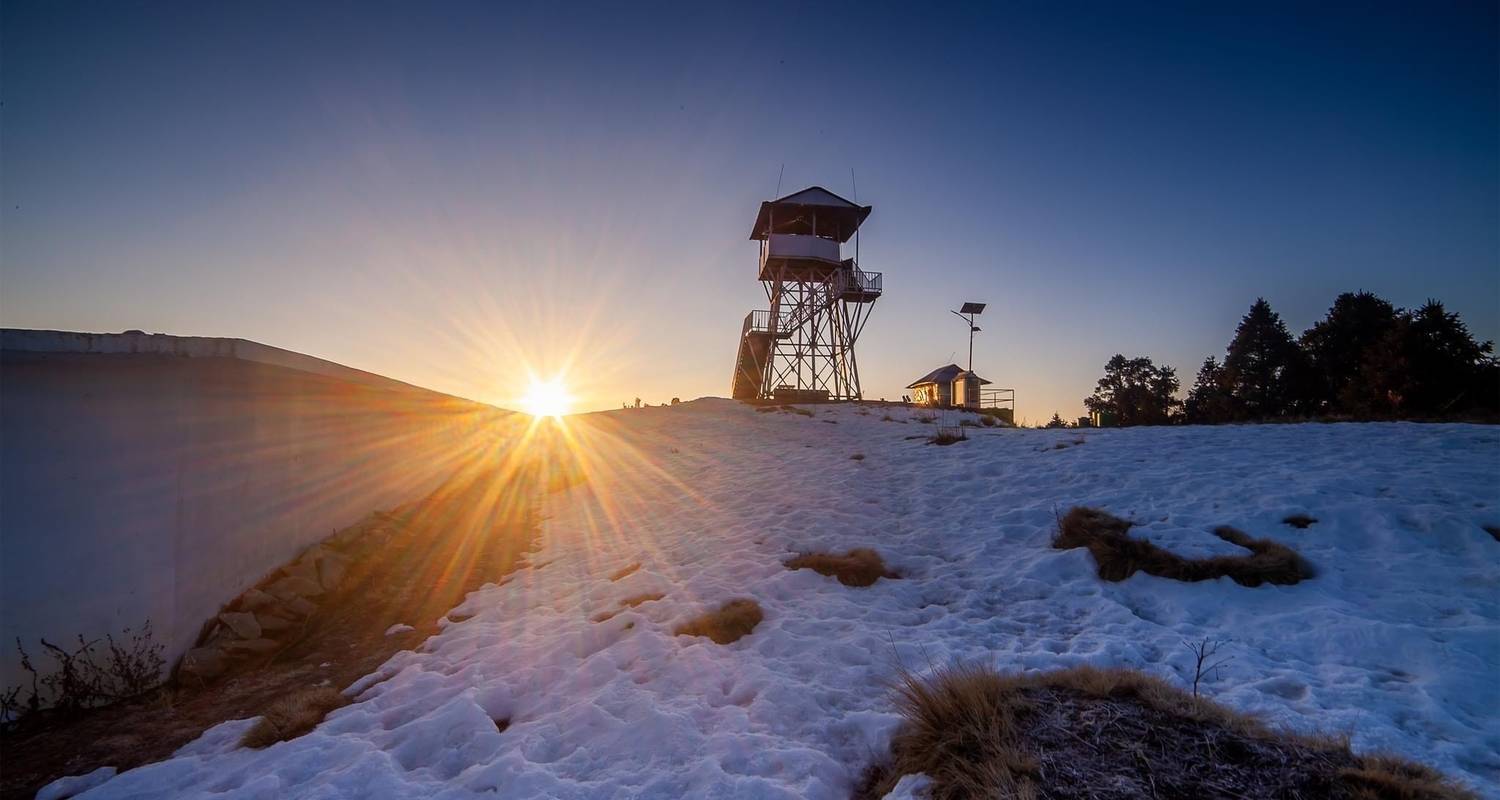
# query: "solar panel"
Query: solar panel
972,308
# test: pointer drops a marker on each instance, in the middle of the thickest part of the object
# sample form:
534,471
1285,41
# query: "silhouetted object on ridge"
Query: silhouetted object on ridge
1133,391
802,348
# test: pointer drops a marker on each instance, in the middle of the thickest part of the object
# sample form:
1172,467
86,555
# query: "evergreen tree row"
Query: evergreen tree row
1366,359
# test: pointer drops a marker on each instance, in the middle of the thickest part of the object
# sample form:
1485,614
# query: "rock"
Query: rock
399,628
302,607
243,624
304,567
331,570
351,534
203,663
255,600
295,586
249,646
270,623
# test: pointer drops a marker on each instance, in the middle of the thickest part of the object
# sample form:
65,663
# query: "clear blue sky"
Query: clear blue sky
451,193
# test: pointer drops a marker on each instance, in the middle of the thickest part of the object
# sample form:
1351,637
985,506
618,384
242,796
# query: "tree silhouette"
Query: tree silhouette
1210,401
1134,391
1262,366
1428,364
1337,348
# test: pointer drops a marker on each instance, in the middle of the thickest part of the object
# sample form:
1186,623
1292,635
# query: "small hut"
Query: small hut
948,387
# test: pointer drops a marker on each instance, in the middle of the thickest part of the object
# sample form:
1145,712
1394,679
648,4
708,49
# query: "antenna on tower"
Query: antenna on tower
779,173
853,184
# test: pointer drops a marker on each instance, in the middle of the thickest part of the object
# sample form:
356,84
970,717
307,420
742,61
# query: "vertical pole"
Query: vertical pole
971,343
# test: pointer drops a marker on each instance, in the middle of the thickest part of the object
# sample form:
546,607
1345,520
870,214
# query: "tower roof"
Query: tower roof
835,217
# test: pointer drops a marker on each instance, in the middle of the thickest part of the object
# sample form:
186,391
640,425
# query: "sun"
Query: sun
547,398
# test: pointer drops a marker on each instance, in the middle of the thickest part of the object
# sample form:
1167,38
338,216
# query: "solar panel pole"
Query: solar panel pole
971,309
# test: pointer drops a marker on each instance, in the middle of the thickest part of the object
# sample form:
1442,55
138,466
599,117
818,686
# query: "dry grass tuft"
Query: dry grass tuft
1384,777
728,623
1119,556
945,438
858,567
1114,734
1299,521
293,715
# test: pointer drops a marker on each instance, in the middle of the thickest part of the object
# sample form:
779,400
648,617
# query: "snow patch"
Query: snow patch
1394,640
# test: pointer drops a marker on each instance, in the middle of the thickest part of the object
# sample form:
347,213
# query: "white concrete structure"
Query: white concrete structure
149,476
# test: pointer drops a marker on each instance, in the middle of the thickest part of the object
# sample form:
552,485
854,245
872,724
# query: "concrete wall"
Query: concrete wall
157,477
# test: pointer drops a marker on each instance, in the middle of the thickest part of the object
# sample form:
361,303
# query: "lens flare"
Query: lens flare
547,398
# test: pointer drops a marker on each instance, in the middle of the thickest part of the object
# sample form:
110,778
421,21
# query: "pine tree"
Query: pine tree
1209,401
1337,346
1261,364
1056,421
1428,364
1134,391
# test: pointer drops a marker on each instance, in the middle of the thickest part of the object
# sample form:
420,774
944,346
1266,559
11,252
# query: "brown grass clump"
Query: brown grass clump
1113,734
728,623
858,567
944,438
293,715
1119,556
1299,521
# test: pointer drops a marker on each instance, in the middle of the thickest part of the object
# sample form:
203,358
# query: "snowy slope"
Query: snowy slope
1397,640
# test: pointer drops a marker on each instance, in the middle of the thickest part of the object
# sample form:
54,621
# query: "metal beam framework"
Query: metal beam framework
814,331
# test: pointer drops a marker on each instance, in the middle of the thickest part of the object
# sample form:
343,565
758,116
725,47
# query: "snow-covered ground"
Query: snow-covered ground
1397,639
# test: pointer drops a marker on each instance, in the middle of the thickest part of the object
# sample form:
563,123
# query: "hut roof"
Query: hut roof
945,375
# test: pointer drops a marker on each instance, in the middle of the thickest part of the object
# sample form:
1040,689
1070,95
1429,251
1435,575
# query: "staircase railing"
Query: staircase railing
760,322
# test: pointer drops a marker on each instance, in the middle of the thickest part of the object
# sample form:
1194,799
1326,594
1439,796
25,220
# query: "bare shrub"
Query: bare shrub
858,567
293,715
1299,521
1118,555
1204,663
94,673
728,623
945,437
1113,734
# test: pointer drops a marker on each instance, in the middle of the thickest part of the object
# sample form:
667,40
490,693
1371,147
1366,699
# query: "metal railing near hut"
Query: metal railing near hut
1001,402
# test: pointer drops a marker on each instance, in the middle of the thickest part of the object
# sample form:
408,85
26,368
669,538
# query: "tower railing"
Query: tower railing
857,281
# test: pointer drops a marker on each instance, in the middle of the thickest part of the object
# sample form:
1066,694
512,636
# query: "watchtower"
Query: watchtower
802,347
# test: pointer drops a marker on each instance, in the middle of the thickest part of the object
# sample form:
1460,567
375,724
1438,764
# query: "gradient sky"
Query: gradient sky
455,194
